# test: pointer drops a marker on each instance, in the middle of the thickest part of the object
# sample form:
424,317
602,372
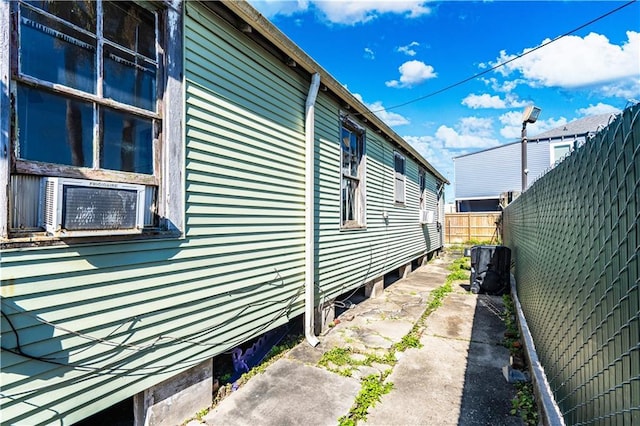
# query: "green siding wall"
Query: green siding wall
350,258
99,323
130,315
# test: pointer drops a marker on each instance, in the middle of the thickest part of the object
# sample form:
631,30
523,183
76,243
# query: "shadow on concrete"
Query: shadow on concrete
486,396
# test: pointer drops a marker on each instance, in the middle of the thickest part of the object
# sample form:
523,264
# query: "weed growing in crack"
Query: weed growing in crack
340,358
373,387
461,263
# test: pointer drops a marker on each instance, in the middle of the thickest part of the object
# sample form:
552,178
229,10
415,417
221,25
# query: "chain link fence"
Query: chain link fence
575,238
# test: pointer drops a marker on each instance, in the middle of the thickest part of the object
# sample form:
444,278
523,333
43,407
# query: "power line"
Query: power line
495,67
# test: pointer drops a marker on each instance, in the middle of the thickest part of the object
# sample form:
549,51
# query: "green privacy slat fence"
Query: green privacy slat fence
575,238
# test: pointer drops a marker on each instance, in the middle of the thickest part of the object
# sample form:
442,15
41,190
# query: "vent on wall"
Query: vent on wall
78,207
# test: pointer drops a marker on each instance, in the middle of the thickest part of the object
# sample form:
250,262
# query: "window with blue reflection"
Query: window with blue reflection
127,142
131,27
80,13
64,137
129,79
55,52
61,42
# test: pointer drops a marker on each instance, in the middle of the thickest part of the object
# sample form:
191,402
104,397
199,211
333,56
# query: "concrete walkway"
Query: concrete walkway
454,378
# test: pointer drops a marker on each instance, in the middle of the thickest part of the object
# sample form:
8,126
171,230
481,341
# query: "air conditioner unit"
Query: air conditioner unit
80,208
427,216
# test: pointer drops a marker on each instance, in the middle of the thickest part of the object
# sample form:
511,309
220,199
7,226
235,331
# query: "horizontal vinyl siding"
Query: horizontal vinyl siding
112,320
347,259
487,174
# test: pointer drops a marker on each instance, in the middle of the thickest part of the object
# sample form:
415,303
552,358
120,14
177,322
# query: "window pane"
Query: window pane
399,163
345,147
129,79
560,151
130,26
127,142
349,193
54,129
79,13
355,154
399,189
56,53
352,150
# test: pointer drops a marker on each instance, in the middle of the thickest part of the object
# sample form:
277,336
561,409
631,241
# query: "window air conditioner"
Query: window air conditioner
427,216
80,208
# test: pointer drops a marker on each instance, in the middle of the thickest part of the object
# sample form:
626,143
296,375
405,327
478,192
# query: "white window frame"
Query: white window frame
168,151
552,150
399,179
360,198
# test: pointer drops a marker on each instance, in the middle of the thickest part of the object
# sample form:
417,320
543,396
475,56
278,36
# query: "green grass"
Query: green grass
462,263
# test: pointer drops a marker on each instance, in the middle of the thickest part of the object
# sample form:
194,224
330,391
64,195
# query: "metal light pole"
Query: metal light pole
531,114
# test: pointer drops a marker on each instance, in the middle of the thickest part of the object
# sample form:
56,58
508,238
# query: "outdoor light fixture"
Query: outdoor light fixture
530,115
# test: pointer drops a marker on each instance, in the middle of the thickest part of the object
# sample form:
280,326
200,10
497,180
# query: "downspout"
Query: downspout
310,264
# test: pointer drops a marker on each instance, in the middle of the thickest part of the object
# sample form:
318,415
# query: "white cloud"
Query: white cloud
622,89
477,126
484,101
369,54
512,125
502,86
600,108
575,62
456,139
467,135
434,152
359,11
270,8
469,132
344,12
412,73
488,101
409,48
426,140
390,118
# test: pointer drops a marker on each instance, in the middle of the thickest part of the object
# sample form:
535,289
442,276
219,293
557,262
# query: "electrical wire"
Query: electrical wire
112,368
500,65
161,341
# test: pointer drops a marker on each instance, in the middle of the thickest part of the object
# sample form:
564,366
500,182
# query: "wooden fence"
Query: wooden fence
461,227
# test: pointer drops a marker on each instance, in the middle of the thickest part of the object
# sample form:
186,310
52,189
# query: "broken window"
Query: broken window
352,147
400,177
102,59
422,183
86,97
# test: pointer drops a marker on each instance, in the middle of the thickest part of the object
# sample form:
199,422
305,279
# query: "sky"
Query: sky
401,57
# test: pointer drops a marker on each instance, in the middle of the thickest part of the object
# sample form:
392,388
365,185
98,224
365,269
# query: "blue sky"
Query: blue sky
392,52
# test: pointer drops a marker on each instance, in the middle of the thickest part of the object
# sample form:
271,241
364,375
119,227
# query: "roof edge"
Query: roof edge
249,14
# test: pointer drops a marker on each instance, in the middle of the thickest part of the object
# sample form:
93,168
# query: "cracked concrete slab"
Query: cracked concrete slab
288,393
455,378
